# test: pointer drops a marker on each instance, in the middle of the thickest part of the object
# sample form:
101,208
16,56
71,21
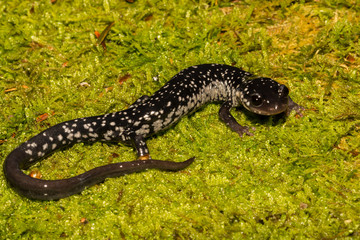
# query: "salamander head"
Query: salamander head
264,96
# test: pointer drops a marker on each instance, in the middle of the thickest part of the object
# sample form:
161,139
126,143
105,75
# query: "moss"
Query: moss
296,178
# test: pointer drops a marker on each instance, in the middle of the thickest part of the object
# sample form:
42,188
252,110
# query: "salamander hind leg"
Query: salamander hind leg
144,158
141,148
230,121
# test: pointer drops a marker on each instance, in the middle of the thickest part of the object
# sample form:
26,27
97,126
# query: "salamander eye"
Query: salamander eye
256,100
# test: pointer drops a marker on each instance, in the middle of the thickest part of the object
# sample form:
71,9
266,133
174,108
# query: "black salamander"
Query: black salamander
184,93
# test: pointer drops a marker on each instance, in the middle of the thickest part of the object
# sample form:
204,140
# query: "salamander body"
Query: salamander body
187,91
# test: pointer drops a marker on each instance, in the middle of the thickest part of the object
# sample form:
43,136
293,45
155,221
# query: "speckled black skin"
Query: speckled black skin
184,93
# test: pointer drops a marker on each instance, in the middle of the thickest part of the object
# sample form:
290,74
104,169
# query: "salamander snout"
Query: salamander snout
264,96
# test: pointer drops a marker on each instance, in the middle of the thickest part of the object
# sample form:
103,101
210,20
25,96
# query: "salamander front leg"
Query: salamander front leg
141,148
292,106
230,121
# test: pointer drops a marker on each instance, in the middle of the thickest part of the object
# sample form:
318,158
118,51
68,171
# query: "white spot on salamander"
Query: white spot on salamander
60,137
41,154
158,125
94,135
29,152
77,135
45,146
143,130
70,136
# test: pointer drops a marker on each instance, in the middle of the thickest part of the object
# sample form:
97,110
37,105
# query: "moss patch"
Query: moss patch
296,178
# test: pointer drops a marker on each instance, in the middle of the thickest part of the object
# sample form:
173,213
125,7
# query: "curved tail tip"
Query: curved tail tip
190,160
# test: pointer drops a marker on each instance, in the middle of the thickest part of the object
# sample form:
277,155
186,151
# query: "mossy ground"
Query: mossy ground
297,178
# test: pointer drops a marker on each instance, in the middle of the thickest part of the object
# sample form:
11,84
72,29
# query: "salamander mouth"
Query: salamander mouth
269,109
273,111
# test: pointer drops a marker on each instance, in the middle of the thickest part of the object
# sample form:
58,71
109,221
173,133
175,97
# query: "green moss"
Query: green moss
296,178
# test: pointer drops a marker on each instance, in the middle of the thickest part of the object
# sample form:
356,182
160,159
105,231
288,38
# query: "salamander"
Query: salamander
186,92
